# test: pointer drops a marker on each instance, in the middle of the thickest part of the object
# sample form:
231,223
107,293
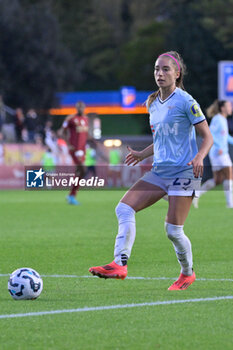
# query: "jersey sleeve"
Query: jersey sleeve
193,111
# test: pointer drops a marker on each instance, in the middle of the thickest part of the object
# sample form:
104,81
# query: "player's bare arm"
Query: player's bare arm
134,157
197,162
63,132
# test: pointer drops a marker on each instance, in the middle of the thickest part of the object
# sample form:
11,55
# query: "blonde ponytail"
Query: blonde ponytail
151,98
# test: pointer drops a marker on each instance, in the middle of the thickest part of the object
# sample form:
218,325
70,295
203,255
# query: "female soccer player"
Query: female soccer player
219,154
176,169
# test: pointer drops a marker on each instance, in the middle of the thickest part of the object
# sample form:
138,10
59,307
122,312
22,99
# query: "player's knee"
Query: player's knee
124,212
173,231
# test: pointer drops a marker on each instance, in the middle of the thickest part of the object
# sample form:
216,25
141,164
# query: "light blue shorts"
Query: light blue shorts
174,187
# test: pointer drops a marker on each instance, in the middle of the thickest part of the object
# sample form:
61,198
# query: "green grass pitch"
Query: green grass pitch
39,230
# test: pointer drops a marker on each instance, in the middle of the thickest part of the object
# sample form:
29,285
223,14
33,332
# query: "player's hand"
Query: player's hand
197,164
133,157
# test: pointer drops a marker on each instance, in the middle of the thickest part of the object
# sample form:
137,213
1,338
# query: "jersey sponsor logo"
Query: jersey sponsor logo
165,129
81,128
196,110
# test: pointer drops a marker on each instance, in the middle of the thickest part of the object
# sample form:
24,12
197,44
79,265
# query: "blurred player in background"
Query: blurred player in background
219,154
177,166
114,169
75,132
90,159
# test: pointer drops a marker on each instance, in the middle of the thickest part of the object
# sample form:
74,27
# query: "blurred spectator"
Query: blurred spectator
7,125
114,156
114,169
90,159
50,137
1,149
64,158
19,124
39,139
2,113
31,124
24,134
48,160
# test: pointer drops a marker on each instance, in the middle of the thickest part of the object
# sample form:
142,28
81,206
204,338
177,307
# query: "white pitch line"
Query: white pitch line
133,278
114,307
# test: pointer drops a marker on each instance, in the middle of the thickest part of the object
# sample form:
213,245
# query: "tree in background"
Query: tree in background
58,45
89,35
137,57
33,63
199,47
218,19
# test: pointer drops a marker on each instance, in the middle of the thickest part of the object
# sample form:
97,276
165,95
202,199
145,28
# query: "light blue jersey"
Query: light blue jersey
220,132
174,137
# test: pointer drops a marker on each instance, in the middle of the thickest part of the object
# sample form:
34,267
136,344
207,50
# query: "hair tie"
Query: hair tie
167,54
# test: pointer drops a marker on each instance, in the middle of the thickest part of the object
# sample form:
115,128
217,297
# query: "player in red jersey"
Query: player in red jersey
75,131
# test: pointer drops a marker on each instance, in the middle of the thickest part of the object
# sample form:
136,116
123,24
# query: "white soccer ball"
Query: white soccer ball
25,283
